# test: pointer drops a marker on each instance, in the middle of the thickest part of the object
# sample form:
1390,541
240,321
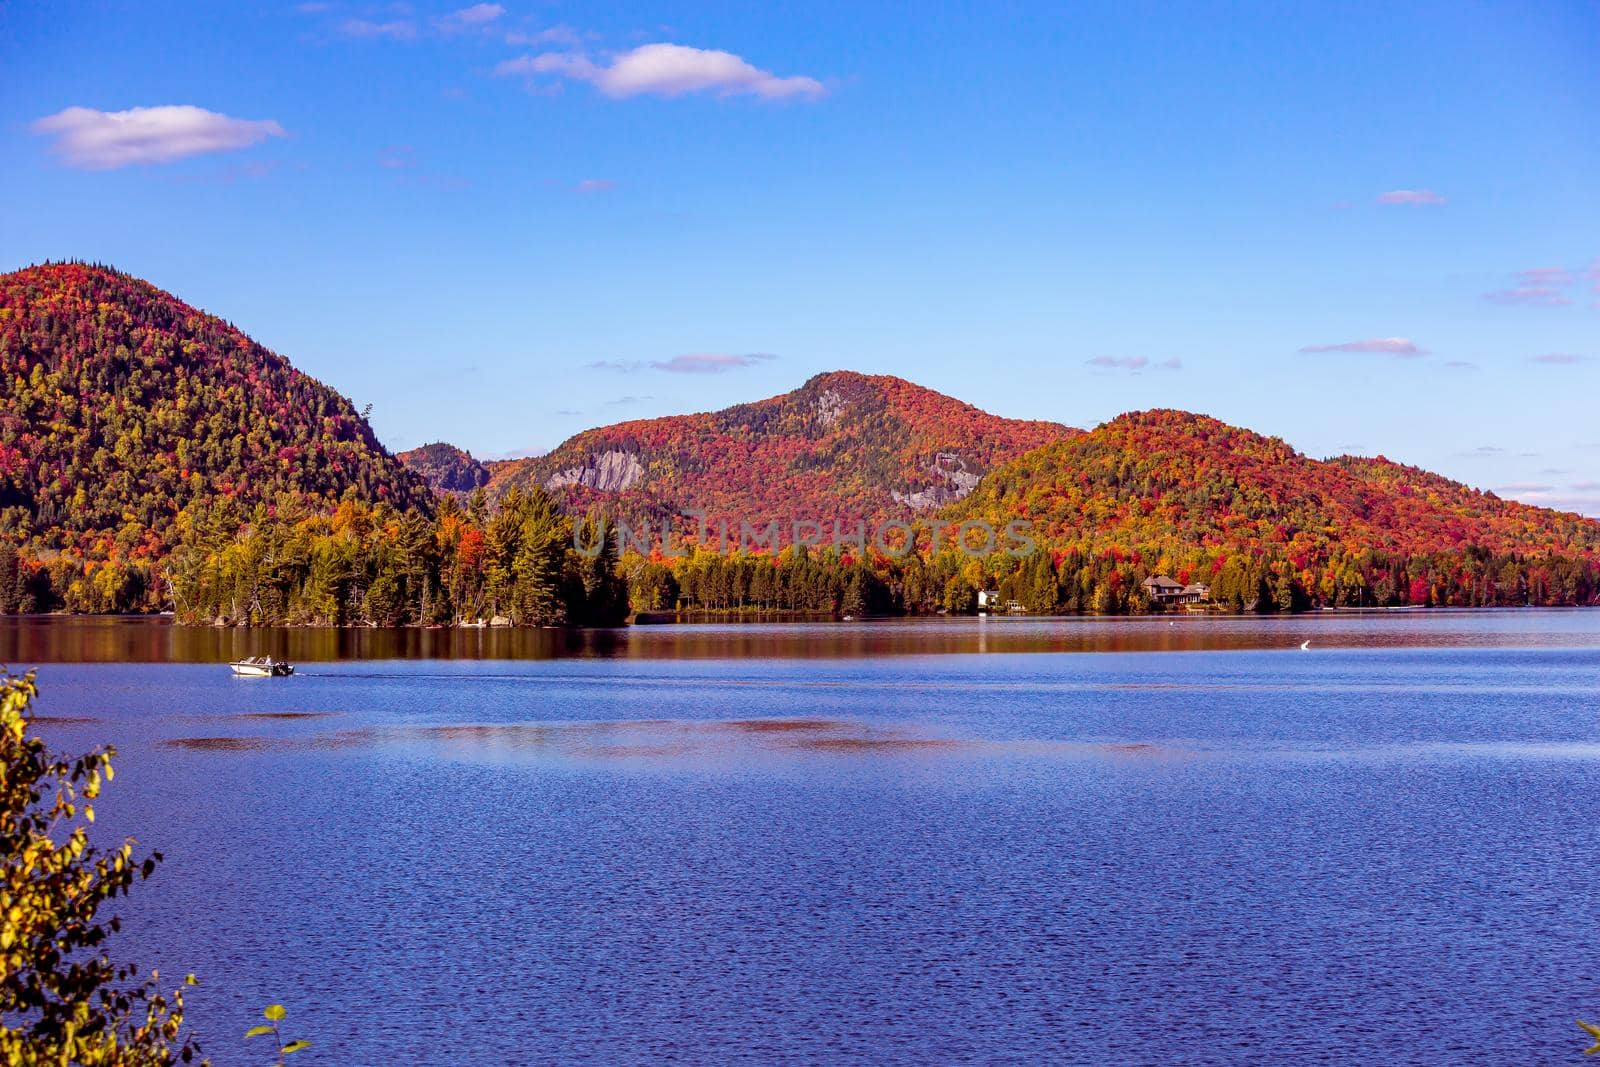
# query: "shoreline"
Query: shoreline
659,619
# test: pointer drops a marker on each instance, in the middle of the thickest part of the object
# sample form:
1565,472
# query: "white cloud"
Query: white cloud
550,35
668,70
691,363
1560,359
523,453
1398,347
478,18
1529,296
1134,363
476,15
1419,197
105,140
1546,276
398,30
710,362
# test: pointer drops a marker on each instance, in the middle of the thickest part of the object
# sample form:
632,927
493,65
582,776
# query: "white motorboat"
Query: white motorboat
262,667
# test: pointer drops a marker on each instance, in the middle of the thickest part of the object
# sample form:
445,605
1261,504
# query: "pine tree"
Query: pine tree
10,574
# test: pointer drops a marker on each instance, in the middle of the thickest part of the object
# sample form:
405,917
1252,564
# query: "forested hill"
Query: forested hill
122,404
843,446
1169,491
152,454
446,468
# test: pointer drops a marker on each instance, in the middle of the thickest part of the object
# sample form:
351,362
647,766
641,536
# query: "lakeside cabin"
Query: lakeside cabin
1163,590
989,604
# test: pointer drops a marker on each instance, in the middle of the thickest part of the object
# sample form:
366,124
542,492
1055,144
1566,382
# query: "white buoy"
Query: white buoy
1305,646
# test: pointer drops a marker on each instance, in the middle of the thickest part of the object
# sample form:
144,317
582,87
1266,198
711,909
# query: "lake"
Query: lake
942,841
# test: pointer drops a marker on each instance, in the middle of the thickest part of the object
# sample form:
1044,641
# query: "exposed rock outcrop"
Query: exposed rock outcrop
956,481
609,472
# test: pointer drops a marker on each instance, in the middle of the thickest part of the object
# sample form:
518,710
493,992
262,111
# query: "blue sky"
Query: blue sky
503,223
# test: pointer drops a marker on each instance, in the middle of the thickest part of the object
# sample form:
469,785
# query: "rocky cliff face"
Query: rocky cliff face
953,481
843,446
610,472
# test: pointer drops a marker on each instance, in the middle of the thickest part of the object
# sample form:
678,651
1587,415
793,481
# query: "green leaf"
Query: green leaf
294,1046
275,1012
257,1031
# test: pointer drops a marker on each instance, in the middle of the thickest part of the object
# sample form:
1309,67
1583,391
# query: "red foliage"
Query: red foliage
843,446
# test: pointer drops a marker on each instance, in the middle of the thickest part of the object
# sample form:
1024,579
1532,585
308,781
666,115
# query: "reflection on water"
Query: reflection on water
219,744
1204,846
67,639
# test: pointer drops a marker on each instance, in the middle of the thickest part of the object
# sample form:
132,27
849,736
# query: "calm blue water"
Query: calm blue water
1379,851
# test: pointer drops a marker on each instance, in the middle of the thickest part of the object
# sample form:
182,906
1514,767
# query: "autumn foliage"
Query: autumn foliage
122,405
446,468
152,456
1186,495
839,447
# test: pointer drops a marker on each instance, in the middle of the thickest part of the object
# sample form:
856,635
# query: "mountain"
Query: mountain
124,404
844,446
446,468
1188,495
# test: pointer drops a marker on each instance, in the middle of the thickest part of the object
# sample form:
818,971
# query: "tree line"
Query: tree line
517,562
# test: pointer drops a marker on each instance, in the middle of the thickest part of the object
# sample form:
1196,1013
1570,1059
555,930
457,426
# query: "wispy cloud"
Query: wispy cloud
621,400
1529,296
1582,505
1559,359
690,363
549,35
515,453
668,70
1542,286
478,18
408,170
1461,364
1133,363
1545,276
475,17
255,170
595,185
710,362
1494,452
1585,487
398,157
106,140
368,29
1418,197
1394,347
